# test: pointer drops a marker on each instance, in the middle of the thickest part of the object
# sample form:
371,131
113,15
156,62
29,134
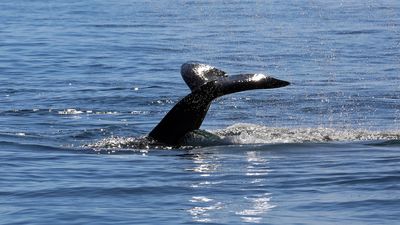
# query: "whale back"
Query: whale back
196,75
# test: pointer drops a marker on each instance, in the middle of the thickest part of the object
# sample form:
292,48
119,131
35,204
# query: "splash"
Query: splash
242,133
255,134
124,143
130,143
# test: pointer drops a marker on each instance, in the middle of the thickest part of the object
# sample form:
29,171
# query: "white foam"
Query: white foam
76,112
253,134
70,112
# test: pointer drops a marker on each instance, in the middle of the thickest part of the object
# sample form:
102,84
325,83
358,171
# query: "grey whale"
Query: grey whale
206,83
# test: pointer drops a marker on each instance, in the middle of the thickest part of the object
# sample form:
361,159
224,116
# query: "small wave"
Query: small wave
70,112
33,146
125,25
387,143
356,32
256,134
76,112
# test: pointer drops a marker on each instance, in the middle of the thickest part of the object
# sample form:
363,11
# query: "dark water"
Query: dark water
80,79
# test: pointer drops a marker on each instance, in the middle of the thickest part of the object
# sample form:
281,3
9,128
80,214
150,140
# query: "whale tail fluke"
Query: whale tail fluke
196,74
206,83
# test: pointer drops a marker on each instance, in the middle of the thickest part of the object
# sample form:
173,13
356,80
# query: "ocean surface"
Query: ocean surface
82,82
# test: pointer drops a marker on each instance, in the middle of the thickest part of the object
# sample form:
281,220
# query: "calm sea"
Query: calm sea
81,80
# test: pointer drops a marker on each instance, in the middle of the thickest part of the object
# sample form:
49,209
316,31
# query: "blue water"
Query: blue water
81,79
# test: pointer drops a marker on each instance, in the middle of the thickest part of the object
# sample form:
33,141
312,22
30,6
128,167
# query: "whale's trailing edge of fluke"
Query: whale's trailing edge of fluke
196,74
207,83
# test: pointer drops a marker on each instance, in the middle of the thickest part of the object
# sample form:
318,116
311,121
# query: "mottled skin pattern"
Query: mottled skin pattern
208,83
